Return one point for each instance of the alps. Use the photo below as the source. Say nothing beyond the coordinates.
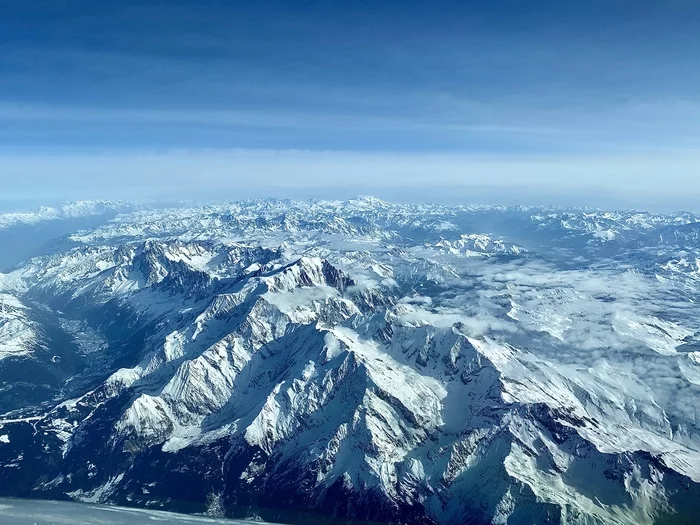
(357, 360)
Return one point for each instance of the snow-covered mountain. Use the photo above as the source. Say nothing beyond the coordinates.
(27, 234)
(362, 360)
(68, 210)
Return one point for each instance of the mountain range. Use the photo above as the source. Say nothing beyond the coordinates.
(358, 361)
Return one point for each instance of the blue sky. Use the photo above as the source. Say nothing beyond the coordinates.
(222, 96)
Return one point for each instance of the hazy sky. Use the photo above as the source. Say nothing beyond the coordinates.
(226, 98)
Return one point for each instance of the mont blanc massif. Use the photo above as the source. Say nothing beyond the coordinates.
(353, 361)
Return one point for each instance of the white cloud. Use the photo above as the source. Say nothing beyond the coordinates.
(234, 173)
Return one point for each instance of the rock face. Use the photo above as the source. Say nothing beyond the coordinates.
(360, 360)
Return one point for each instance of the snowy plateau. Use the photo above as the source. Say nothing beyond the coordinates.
(353, 361)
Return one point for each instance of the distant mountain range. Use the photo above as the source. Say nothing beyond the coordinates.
(354, 360)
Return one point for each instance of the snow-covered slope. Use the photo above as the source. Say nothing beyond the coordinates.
(33, 512)
(17, 334)
(366, 360)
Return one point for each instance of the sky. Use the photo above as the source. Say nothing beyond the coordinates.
(558, 102)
